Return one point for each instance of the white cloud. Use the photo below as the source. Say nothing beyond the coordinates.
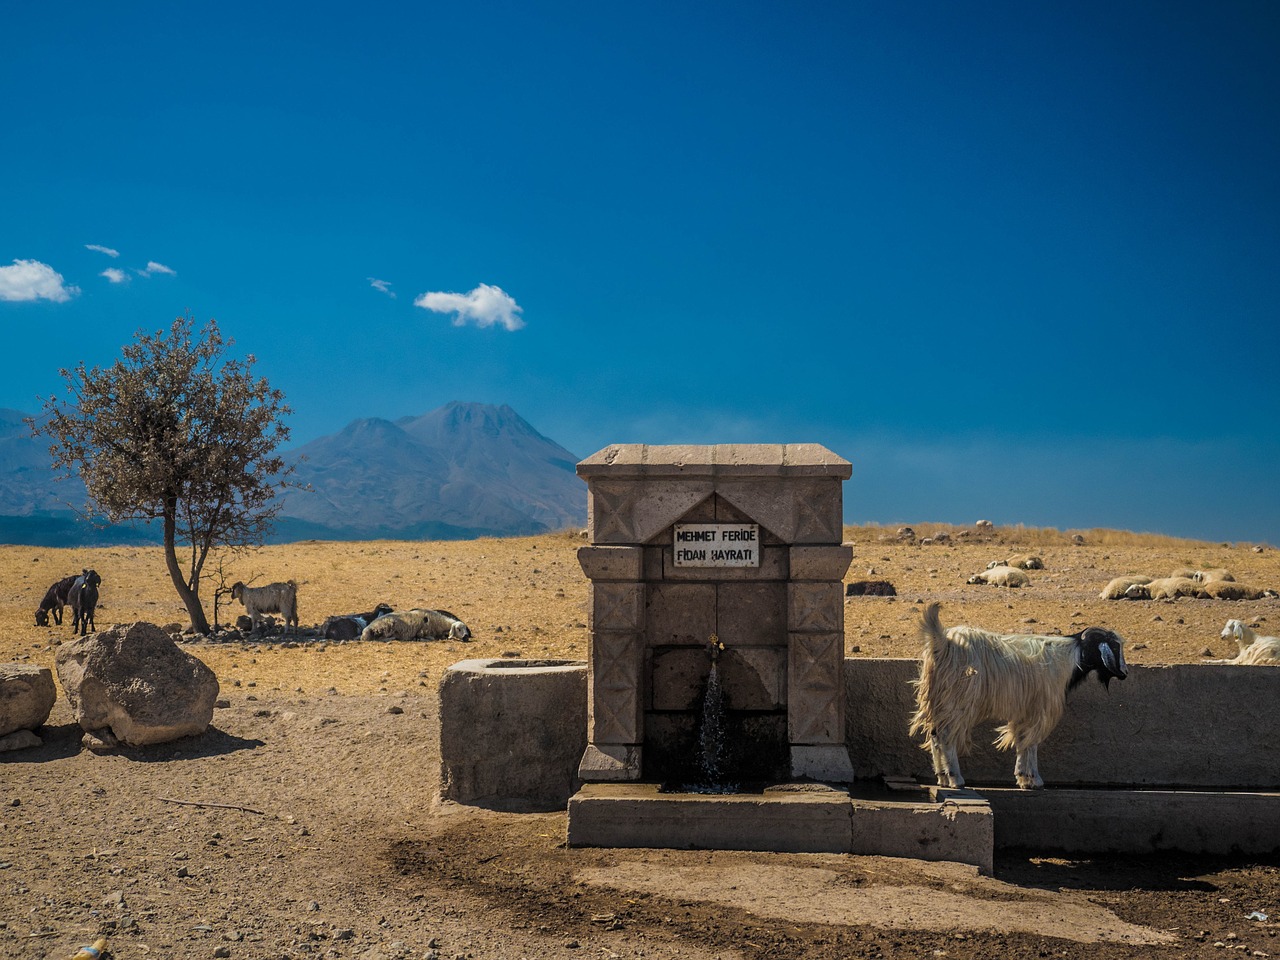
(484, 306)
(383, 285)
(154, 268)
(114, 275)
(101, 249)
(33, 280)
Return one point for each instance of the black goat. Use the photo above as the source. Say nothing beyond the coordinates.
(349, 626)
(55, 598)
(84, 600)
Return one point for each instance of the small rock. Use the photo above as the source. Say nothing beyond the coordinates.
(312, 906)
(344, 934)
(1139, 646)
(221, 704)
(393, 709)
(1206, 652)
(222, 952)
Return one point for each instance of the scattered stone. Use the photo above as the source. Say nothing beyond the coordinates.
(19, 740)
(27, 695)
(344, 934)
(223, 951)
(1139, 646)
(1206, 652)
(222, 703)
(134, 680)
(393, 709)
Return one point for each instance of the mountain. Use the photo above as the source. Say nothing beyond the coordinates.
(465, 470)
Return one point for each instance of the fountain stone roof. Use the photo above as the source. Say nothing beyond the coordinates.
(622, 460)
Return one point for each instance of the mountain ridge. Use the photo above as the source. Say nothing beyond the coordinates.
(461, 471)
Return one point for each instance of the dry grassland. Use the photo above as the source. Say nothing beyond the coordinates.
(527, 597)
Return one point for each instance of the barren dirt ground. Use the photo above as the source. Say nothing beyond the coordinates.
(317, 832)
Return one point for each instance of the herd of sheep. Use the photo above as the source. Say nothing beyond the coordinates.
(80, 592)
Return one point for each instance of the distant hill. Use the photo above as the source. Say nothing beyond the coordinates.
(462, 471)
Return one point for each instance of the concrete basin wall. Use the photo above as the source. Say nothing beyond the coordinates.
(512, 732)
(1185, 725)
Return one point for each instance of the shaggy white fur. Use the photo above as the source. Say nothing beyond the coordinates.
(969, 675)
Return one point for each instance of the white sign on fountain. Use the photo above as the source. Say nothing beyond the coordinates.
(717, 544)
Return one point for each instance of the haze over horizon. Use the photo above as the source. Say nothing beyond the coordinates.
(1015, 263)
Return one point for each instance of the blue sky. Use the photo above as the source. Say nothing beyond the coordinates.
(1015, 261)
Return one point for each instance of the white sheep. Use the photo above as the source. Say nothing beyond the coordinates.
(1231, 590)
(1001, 577)
(1166, 588)
(969, 675)
(281, 598)
(1213, 576)
(1253, 648)
(1115, 590)
(417, 624)
(1023, 561)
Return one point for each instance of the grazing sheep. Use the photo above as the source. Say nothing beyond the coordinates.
(1022, 561)
(1213, 576)
(55, 598)
(1115, 590)
(417, 624)
(349, 626)
(1253, 648)
(84, 601)
(870, 588)
(281, 598)
(985, 524)
(1001, 577)
(1230, 590)
(1168, 588)
(969, 675)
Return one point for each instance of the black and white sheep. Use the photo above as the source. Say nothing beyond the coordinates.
(83, 598)
(1001, 577)
(281, 598)
(1254, 649)
(55, 598)
(969, 675)
(417, 624)
(349, 626)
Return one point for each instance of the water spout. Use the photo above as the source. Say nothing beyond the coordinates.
(713, 738)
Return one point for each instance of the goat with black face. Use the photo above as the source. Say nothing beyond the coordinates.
(969, 675)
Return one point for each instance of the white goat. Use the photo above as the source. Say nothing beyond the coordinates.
(1253, 648)
(1002, 577)
(281, 598)
(969, 675)
(417, 624)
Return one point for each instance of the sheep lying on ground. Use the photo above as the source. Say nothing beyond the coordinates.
(281, 598)
(969, 675)
(55, 598)
(417, 624)
(1115, 590)
(1024, 561)
(1253, 648)
(1213, 576)
(1168, 588)
(1002, 577)
(83, 598)
(1230, 590)
(348, 626)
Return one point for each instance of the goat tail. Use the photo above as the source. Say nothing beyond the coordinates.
(931, 631)
(935, 639)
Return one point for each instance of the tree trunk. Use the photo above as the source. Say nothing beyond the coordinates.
(190, 598)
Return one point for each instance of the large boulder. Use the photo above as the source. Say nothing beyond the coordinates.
(27, 694)
(133, 679)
